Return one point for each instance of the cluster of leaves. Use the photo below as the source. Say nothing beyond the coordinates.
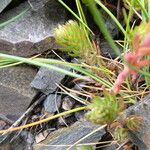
(104, 110)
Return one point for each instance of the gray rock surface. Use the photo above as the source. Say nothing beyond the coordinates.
(52, 103)
(15, 91)
(12, 103)
(141, 138)
(32, 33)
(4, 4)
(37, 4)
(19, 79)
(45, 80)
(71, 135)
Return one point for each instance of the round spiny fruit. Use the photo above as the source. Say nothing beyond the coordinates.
(103, 111)
(72, 38)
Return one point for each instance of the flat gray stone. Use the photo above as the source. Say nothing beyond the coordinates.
(15, 91)
(71, 135)
(141, 138)
(32, 33)
(12, 103)
(4, 4)
(52, 103)
(45, 80)
(37, 4)
(19, 79)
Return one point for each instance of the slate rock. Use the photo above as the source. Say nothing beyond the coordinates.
(19, 79)
(12, 103)
(32, 33)
(37, 4)
(141, 138)
(71, 135)
(15, 91)
(52, 103)
(45, 80)
(4, 4)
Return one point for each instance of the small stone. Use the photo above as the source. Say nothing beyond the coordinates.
(68, 103)
(45, 80)
(52, 103)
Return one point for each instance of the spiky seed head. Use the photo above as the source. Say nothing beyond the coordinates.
(134, 122)
(72, 38)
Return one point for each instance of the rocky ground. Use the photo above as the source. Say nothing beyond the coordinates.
(28, 93)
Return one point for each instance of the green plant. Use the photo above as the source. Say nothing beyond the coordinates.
(121, 134)
(141, 48)
(75, 38)
(103, 110)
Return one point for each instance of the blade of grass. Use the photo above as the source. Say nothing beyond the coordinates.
(94, 76)
(76, 16)
(51, 67)
(43, 120)
(82, 16)
(33, 62)
(10, 63)
(111, 15)
(144, 11)
(91, 4)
